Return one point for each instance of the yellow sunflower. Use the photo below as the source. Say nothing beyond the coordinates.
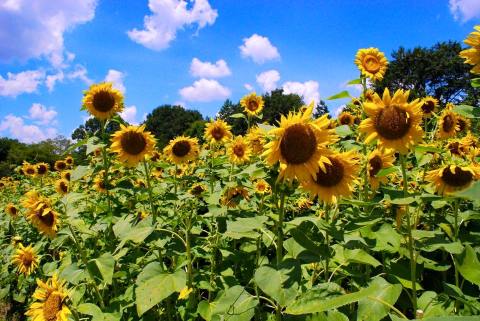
(252, 104)
(233, 196)
(198, 189)
(463, 124)
(456, 148)
(262, 187)
(429, 105)
(11, 210)
(99, 184)
(29, 169)
(60, 165)
(256, 139)
(369, 95)
(300, 144)
(26, 259)
(336, 179)
(372, 63)
(61, 186)
(132, 143)
(69, 160)
(217, 131)
(452, 178)
(66, 175)
(182, 149)
(447, 124)
(472, 55)
(303, 203)
(345, 118)
(42, 169)
(393, 121)
(238, 151)
(40, 213)
(377, 160)
(102, 100)
(50, 299)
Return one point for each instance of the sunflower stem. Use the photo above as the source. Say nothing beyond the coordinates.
(150, 193)
(281, 215)
(327, 239)
(455, 238)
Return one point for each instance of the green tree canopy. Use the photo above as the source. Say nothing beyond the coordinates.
(92, 127)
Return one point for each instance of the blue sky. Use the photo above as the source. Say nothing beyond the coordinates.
(196, 53)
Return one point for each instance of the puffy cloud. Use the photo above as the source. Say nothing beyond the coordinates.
(308, 90)
(116, 78)
(268, 80)
(248, 87)
(23, 82)
(465, 9)
(259, 49)
(130, 114)
(168, 16)
(17, 128)
(205, 90)
(42, 115)
(79, 72)
(207, 69)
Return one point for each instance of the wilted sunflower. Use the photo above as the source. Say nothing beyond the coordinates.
(198, 189)
(372, 63)
(252, 104)
(29, 169)
(103, 101)
(42, 169)
(429, 105)
(69, 160)
(393, 121)
(25, 259)
(262, 187)
(50, 305)
(447, 124)
(377, 160)
(61, 186)
(345, 118)
(11, 210)
(238, 150)
(256, 139)
(182, 149)
(472, 55)
(299, 144)
(233, 196)
(40, 213)
(451, 178)
(217, 131)
(132, 143)
(335, 179)
(60, 165)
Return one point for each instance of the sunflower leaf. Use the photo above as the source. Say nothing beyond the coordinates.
(340, 95)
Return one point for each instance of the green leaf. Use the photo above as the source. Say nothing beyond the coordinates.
(355, 82)
(470, 193)
(343, 130)
(340, 95)
(271, 282)
(90, 309)
(373, 308)
(344, 256)
(153, 286)
(387, 171)
(238, 115)
(467, 111)
(105, 265)
(403, 201)
(475, 82)
(468, 265)
(125, 231)
(79, 172)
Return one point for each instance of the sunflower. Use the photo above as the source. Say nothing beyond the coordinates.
(29, 169)
(238, 151)
(60, 165)
(103, 101)
(377, 160)
(40, 213)
(472, 55)
(184, 293)
(451, 178)
(256, 140)
(463, 124)
(372, 63)
(233, 196)
(26, 259)
(198, 189)
(303, 203)
(252, 104)
(157, 172)
(99, 184)
(42, 169)
(368, 95)
(11, 210)
(217, 131)
(345, 118)
(182, 149)
(262, 187)
(61, 186)
(66, 175)
(447, 124)
(155, 156)
(456, 148)
(336, 179)
(393, 121)
(50, 305)
(132, 143)
(429, 105)
(69, 160)
(299, 144)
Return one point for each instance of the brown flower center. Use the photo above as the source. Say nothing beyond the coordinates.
(298, 144)
(239, 150)
(454, 148)
(51, 307)
(345, 119)
(448, 123)
(181, 148)
(218, 133)
(252, 105)
(13, 210)
(63, 187)
(30, 171)
(458, 178)
(376, 165)
(69, 161)
(67, 176)
(392, 122)
(103, 101)
(371, 63)
(133, 143)
(333, 174)
(41, 169)
(60, 165)
(428, 106)
(462, 124)
(197, 190)
(47, 219)
(27, 259)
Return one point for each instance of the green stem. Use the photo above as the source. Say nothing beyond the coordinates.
(327, 239)
(281, 215)
(455, 238)
(150, 193)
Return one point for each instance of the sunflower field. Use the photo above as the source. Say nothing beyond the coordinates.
(371, 216)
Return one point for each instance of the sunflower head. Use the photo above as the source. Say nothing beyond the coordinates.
(429, 105)
(372, 63)
(233, 196)
(303, 203)
(256, 139)
(463, 124)
(345, 118)
(69, 160)
(238, 150)
(103, 101)
(217, 131)
(132, 144)
(252, 104)
(42, 169)
(447, 124)
(29, 169)
(472, 55)
(61, 186)
(26, 259)
(262, 187)
(198, 189)
(182, 149)
(50, 303)
(66, 175)
(377, 160)
(11, 210)
(99, 184)
(60, 165)
(452, 178)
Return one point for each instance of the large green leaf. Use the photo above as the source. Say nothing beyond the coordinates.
(346, 256)
(468, 265)
(272, 281)
(105, 265)
(467, 111)
(340, 95)
(373, 308)
(79, 172)
(470, 193)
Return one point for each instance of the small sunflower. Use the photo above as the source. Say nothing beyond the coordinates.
(472, 55)
(345, 118)
(377, 160)
(50, 299)
(40, 213)
(369, 95)
(66, 175)
(42, 169)
(198, 189)
(372, 63)
(262, 187)
(393, 121)
(155, 156)
(335, 179)
(252, 104)
(233, 196)
(238, 151)
(456, 148)
(429, 105)
(103, 101)
(184, 293)
(463, 124)
(29, 169)
(303, 203)
(69, 160)
(60, 165)
(99, 184)
(182, 149)
(256, 139)
(132, 143)
(26, 259)
(451, 178)
(61, 186)
(447, 124)
(11, 210)
(217, 131)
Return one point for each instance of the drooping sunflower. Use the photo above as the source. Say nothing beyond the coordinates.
(102, 100)
(11, 210)
(40, 213)
(335, 179)
(262, 187)
(182, 149)
(60, 165)
(217, 131)
(452, 178)
(61, 186)
(252, 104)
(42, 169)
(377, 160)
(393, 121)
(345, 118)
(132, 143)
(472, 55)
(29, 169)
(429, 105)
(233, 196)
(447, 124)
(456, 148)
(300, 145)
(256, 140)
(26, 259)
(50, 303)
(372, 63)
(238, 151)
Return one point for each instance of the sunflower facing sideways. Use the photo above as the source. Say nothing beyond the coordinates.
(103, 101)
(50, 299)
(256, 140)
(377, 160)
(61, 186)
(372, 63)
(217, 131)
(252, 104)
(40, 213)
(182, 149)
(447, 124)
(42, 169)
(345, 118)
(11, 210)
(429, 105)
(472, 55)
(132, 143)
(238, 151)
(25, 259)
(393, 121)
(452, 178)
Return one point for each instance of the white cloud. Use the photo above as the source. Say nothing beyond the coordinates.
(209, 70)
(17, 128)
(205, 90)
(268, 80)
(308, 90)
(337, 111)
(465, 9)
(168, 16)
(116, 78)
(259, 49)
(42, 115)
(248, 87)
(79, 72)
(23, 82)
(129, 114)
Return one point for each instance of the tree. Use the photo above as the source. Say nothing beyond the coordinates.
(320, 109)
(92, 127)
(196, 129)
